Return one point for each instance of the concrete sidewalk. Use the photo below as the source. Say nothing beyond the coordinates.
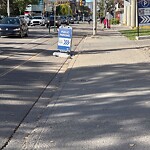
(103, 102)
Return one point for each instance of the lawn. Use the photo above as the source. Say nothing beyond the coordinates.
(131, 34)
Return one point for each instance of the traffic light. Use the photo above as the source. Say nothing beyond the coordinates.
(80, 2)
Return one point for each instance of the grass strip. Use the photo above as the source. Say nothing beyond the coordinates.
(131, 34)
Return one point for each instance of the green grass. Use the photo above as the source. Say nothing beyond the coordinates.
(131, 34)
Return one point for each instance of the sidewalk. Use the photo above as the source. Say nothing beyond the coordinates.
(103, 102)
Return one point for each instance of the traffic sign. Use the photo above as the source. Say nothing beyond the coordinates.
(64, 38)
(144, 12)
(144, 19)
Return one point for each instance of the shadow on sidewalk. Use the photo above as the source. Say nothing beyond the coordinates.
(105, 107)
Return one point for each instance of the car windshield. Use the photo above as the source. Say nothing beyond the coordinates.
(37, 17)
(10, 21)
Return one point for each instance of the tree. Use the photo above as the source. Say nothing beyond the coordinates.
(3, 7)
(17, 7)
(101, 7)
(64, 9)
(105, 6)
(22, 4)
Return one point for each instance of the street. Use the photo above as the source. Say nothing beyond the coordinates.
(97, 100)
(27, 67)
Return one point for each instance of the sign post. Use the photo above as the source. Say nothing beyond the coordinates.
(64, 39)
(143, 13)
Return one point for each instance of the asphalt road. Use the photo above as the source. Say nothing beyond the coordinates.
(99, 100)
(27, 68)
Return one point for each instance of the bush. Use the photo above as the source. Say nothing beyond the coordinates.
(114, 21)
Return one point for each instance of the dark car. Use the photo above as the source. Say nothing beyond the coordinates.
(50, 21)
(13, 26)
(71, 19)
(1, 17)
(64, 20)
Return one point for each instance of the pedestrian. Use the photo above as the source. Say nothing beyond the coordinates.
(102, 19)
(89, 20)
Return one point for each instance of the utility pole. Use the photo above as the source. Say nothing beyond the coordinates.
(55, 5)
(94, 17)
(8, 8)
(133, 13)
(68, 9)
(44, 7)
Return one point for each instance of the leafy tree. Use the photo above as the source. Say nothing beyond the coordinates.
(22, 4)
(16, 6)
(105, 6)
(3, 8)
(86, 11)
(64, 9)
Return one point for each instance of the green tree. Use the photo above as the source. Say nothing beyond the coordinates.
(3, 8)
(105, 6)
(64, 9)
(16, 6)
(22, 4)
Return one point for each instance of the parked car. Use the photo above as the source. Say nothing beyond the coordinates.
(13, 26)
(1, 17)
(37, 20)
(71, 19)
(50, 21)
(64, 20)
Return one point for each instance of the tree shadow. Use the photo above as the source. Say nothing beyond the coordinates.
(23, 79)
(105, 107)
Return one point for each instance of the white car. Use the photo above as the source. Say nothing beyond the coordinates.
(37, 20)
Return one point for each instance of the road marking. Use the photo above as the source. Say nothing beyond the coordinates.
(15, 67)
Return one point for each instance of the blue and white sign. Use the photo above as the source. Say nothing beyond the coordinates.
(144, 12)
(65, 39)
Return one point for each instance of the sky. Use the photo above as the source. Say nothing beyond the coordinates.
(89, 0)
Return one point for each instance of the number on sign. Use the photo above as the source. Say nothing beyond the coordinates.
(66, 42)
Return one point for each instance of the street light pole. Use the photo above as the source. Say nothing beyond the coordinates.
(8, 8)
(68, 9)
(55, 17)
(94, 17)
